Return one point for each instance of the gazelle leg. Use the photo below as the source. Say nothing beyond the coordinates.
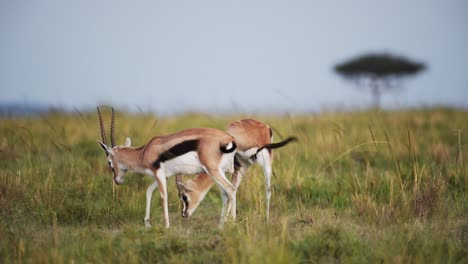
(233, 205)
(231, 191)
(267, 172)
(161, 179)
(236, 181)
(264, 160)
(224, 198)
(149, 195)
(238, 176)
(228, 192)
(229, 205)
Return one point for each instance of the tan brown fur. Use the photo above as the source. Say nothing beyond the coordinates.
(141, 159)
(210, 140)
(248, 133)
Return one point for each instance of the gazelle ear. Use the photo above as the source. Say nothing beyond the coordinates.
(128, 142)
(108, 150)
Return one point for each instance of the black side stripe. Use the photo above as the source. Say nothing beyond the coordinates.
(176, 151)
(225, 150)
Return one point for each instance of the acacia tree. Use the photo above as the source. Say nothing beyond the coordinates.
(378, 73)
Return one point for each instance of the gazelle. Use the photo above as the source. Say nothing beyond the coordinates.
(254, 145)
(190, 151)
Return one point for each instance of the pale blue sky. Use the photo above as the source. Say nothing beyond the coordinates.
(173, 56)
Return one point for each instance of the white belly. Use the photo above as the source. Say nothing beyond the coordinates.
(247, 153)
(189, 163)
(244, 156)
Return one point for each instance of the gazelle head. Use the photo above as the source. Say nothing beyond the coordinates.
(112, 152)
(189, 195)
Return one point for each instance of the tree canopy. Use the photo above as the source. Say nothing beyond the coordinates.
(378, 72)
(379, 66)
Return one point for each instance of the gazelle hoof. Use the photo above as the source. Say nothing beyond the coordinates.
(147, 224)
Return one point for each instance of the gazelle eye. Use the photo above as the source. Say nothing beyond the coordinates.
(184, 198)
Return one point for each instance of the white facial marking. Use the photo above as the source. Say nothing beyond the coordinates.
(190, 212)
(119, 179)
(184, 205)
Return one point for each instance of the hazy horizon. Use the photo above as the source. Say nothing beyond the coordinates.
(263, 56)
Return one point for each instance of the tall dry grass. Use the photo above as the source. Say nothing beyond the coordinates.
(358, 187)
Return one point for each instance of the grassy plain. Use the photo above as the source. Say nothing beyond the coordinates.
(358, 187)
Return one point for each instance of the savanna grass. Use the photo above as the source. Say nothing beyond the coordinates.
(358, 187)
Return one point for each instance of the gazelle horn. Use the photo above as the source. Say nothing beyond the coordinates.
(112, 129)
(178, 180)
(101, 125)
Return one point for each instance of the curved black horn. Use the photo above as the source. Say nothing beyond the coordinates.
(112, 129)
(101, 125)
(178, 180)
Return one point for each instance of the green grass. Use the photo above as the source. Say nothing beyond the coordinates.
(359, 187)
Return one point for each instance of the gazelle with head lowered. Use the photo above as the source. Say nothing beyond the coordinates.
(254, 145)
(190, 151)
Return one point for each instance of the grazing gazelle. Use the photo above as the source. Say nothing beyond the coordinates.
(190, 151)
(254, 145)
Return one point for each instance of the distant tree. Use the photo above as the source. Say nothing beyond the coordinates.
(378, 73)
